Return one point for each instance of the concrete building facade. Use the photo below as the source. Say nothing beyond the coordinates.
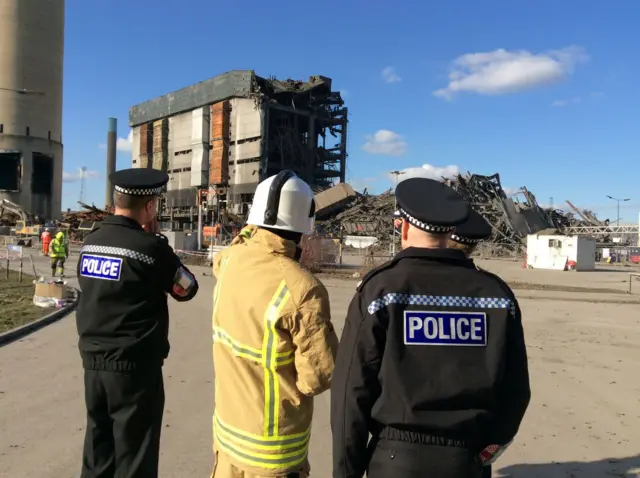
(219, 138)
(31, 70)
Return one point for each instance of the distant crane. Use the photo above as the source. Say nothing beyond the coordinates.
(83, 171)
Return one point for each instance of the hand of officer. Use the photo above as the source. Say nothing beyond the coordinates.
(153, 226)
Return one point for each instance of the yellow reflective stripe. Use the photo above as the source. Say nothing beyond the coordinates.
(285, 361)
(269, 360)
(246, 440)
(262, 460)
(238, 349)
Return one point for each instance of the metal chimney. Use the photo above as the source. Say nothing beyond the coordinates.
(112, 138)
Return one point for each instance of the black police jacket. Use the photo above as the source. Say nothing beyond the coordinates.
(432, 352)
(125, 275)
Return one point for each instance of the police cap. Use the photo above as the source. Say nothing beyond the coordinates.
(139, 181)
(430, 205)
(473, 230)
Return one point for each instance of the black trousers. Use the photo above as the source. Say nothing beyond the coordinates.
(124, 421)
(398, 459)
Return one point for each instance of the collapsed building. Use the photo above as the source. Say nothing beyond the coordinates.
(343, 211)
(219, 138)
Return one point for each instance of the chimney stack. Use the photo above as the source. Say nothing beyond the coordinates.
(112, 138)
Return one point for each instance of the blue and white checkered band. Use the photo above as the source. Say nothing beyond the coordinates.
(139, 192)
(425, 227)
(464, 240)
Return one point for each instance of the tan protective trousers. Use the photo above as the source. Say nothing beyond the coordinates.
(222, 468)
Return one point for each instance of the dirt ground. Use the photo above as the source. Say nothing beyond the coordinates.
(583, 421)
(16, 301)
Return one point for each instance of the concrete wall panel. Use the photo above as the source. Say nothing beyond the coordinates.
(244, 173)
(248, 150)
(199, 164)
(245, 120)
(200, 125)
(180, 132)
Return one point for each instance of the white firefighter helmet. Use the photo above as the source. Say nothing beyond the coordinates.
(283, 202)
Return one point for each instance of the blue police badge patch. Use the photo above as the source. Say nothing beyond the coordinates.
(466, 329)
(101, 267)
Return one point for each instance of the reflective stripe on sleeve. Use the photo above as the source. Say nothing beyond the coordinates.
(269, 360)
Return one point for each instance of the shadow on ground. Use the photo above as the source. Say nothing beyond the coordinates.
(611, 467)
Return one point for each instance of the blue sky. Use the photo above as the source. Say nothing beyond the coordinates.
(545, 95)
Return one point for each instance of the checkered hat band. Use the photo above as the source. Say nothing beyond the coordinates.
(139, 192)
(464, 240)
(425, 227)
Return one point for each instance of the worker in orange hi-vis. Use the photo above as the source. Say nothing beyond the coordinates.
(45, 239)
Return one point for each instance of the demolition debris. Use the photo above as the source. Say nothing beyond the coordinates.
(84, 219)
(512, 217)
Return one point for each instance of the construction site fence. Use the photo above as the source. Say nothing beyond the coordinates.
(492, 250)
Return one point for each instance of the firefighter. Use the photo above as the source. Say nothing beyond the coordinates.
(58, 252)
(419, 368)
(125, 272)
(46, 240)
(468, 234)
(274, 344)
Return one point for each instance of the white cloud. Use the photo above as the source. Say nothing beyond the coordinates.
(427, 171)
(385, 142)
(389, 75)
(124, 145)
(570, 101)
(500, 71)
(77, 175)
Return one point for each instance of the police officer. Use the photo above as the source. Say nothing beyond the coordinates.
(468, 234)
(466, 238)
(432, 361)
(126, 269)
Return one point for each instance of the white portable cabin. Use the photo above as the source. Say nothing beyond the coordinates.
(561, 253)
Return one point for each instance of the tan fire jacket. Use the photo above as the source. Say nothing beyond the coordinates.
(274, 350)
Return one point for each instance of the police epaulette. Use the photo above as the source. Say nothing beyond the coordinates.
(162, 236)
(373, 272)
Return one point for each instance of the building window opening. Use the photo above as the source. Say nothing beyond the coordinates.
(49, 135)
(10, 171)
(42, 174)
(28, 131)
(1, 128)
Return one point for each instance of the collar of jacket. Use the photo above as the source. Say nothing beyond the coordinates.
(437, 255)
(123, 221)
(273, 243)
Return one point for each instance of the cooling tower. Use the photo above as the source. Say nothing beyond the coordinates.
(31, 63)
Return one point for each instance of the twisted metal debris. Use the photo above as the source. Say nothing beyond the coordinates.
(512, 217)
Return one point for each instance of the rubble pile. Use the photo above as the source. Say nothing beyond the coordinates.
(512, 216)
(365, 215)
(74, 219)
(9, 219)
(78, 223)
